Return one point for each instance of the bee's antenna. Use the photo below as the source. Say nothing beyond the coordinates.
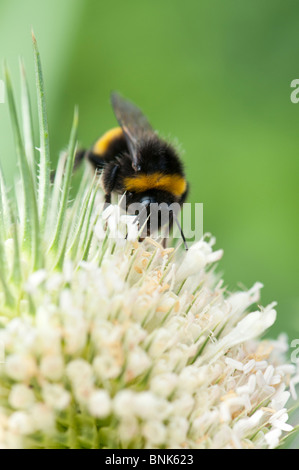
(180, 228)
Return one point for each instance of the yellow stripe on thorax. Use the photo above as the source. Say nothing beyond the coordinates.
(174, 184)
(101, 145)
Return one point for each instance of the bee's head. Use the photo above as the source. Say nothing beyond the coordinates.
(151, 209)
(146, 198)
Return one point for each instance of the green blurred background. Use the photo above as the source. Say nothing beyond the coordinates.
(216, 76)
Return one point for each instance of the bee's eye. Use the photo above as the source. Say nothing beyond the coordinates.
(136, 167)
(129, 194)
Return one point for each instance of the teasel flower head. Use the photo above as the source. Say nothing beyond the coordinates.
(114, 343)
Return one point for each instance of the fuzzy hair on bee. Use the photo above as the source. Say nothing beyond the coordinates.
(133, 159)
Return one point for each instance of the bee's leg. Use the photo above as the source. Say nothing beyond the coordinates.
(172, 218)
(97, 161)
(107, 204)
(107, 199)
(181, 231)
(170, 225)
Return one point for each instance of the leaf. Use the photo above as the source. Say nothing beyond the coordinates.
(66, 184)
(30, 239)
(85, 200)
(27, 123)
(44, 166)
(4, 208)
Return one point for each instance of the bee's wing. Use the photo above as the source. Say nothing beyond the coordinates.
(133, 122)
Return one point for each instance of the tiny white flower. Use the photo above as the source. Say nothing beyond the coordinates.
(247, 368)
(132, 226)
(162, 339)
(177, 430)
(249, 387)
(261, 365)
(43, 417)
(138, 362)
(35, 279)
(52, 367)
(106, 367)
(280, 398)
(282, 425)
(21, 397)
(183, 405)
(79, 371)
(75, 337)
(232, 405)
(56, 396)
(20, 423)
(148, 406)
(99, 404)
(245, 425)
(20, 367)
(273, 437)
(192, 377)
(234, 364)
(123, 403)
(279, 421)
(254, 324)
(83, 391)
(223, 438)
(128, 429)
(164, 384)
(286, 369)
(198, 256)
(154, 432)
(240, 301)
(268, 374)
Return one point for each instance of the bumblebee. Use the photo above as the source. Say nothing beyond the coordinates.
(132, 159)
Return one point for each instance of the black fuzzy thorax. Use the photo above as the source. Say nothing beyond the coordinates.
(156, 155)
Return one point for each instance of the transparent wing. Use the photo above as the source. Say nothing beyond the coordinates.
(133, 122)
